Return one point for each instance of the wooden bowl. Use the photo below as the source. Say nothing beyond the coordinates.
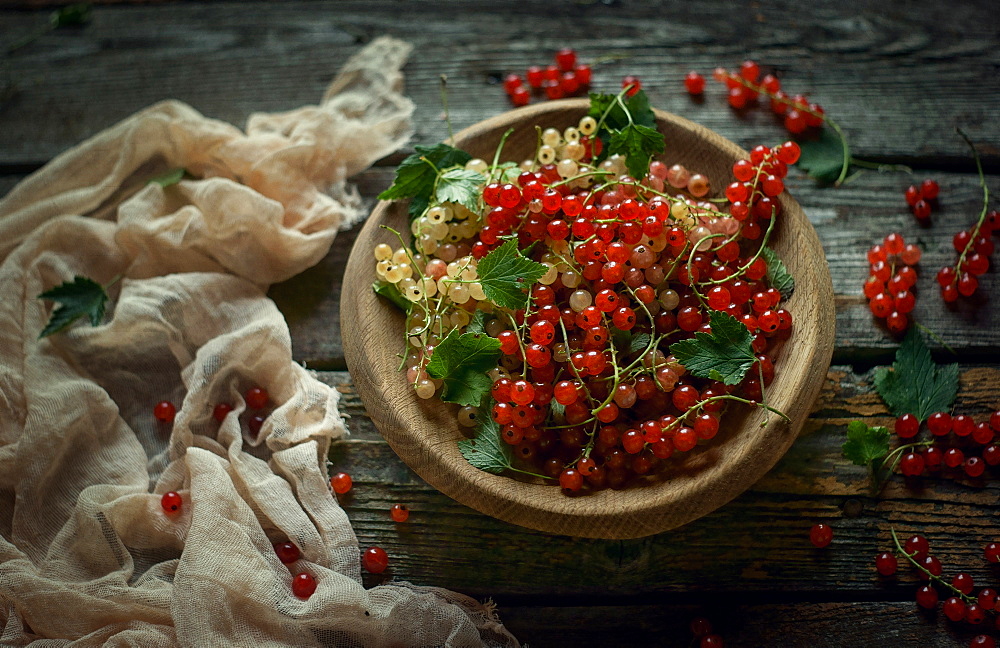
(423, 433)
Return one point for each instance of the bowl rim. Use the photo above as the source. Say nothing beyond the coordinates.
(627, 513)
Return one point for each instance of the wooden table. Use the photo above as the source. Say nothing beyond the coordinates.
(898, 77)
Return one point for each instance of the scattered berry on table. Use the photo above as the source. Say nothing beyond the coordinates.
(164, 411)
(399, 513)
(254, 423)
(303, 585)
(694, 83)
(375, 560)
(171, 502)
(821, 535)
(886, 564)
(341, 483)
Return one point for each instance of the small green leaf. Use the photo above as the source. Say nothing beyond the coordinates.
(505, 273)
(822, 158)
(461, 186)
(777, 273)
(639, 343)
(864, 444)
(915, 384)
(461, 360)
(638, 144)
(72, 15)
(477, 324)
(417, 175)
(82, 297)
(391, 292)
(725, 354)
(171, 177)
(487, 451)
(508, 172)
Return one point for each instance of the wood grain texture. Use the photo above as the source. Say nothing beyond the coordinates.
(899, 80)
(758, 543)
(704, 479)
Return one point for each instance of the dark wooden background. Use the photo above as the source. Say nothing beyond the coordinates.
(899, 78)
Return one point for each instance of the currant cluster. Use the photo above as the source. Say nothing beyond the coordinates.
(701, 628)
(746, 86)
(891, 278)
(974, 247)
(981, 609)
(921, 198)
(643, 260)
(565, 78)
(958, 443)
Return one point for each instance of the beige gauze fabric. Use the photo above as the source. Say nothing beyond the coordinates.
(88, 555)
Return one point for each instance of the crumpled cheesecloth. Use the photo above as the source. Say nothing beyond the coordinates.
(88, 556)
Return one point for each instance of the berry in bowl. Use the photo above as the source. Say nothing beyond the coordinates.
(589, 317)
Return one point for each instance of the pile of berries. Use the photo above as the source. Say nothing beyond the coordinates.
(891, 278)
(921, 198)
(974, 247)
(645, 260)
(958, 443)
(980, 610)
(565, 78)
(746, 86)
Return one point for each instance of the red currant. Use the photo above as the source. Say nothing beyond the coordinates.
(694, 83)
(341, 483)
(399, 513)
(221, 411)
(256, 398)
(886, 564)
(287, 552)
(375, 560)
(164, 411)
(303, 585)
(820, 535)
(171, 502)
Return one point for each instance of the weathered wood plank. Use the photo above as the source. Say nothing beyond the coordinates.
(899, 81)
(447, 544)
(741, 624)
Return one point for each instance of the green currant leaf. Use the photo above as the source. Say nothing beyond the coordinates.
(171, 177)
(461, 360)
(777, 273)
(915, 384)
(639, 343)
(638, 144)
(82, 297)
(865, 445)
(478, 323)
(505, 273)
(618, 118)
(822, 158)
(391, 292)
(461, 186)
(508, 172)
(417, 175)
(487, 451)
(725, 354)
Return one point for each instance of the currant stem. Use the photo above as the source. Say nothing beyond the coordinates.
(444, 104)
(974, 232)
(899, 549)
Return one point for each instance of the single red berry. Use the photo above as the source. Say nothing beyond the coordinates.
(974, 467)
(916, 547)
(921, 210)
(974, 614)
(171, 502)
(927, 597)
(375, 560)
(886, 563)
(303, 585)
(254, 424)
(220, 411)
(992, 552)
(583, 73)
(633, 84)
(820, 535)
(750, 71)
(512, 82)
(287, 552)
(963, 583)
(929, 189)
(987, 598)
(939, 423)
(571, 480)
(982, 641)
(907, 426)
(694, 83)
(912, 195)
(520, 96)
(341, 483)
(932, 565)
(566, 59)
(256, 398)
(912, 464)
(954, 609)
(399, 513)
(711, 641)
(164, 411)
